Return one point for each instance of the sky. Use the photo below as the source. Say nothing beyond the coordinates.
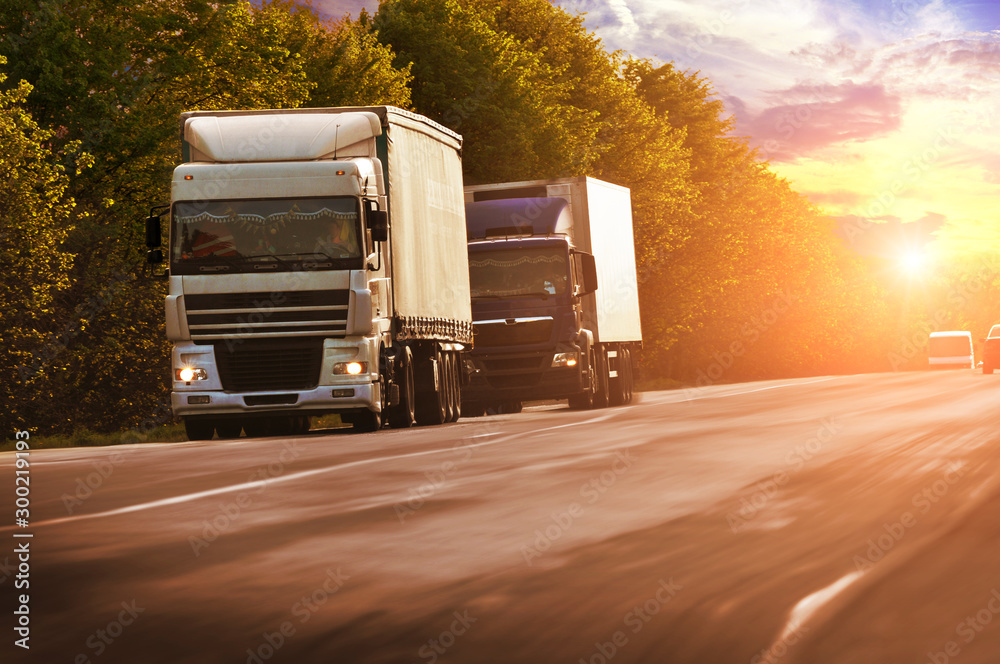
(885, 113)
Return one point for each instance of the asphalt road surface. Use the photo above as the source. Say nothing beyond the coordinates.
(836, 519)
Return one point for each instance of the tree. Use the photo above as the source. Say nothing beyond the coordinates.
(35, 210)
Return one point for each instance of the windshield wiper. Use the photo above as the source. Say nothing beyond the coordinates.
(274, 257)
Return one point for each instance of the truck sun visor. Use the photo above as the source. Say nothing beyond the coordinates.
(517, 216)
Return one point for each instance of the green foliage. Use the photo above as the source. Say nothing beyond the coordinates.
(35, 220)
(502, 96)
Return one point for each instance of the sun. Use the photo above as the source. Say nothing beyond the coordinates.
(914, 263)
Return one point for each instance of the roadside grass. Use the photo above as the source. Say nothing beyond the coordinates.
(170, 433)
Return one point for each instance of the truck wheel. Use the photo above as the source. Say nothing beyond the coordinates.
(199, 429)
(229, 428)
(401, 416)
(585, 400)
(601, 387)
(431, 402)
(628, 382)
(617, 389)
(366, 421)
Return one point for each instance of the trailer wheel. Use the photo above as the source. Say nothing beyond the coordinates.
(199, 429)
(431, 408)
(601, 388)
(229, 428)
(629, 379)
(401, 416)
(617, 388)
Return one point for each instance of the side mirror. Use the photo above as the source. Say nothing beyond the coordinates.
(378, 224)
(153, 232)
(154, 256)
(589, 266)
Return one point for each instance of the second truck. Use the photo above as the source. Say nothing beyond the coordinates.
(554, 291)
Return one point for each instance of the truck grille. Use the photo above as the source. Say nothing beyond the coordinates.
(321, 313)
(493, 334)
(253, 366)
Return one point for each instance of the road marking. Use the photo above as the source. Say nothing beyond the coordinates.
(646, 401)
(810, 604)
(186, 498)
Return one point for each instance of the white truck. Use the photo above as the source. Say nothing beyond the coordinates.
(317, 264)
(555, 298)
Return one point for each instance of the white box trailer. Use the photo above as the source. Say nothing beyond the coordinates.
(317, 265)
(576, 341)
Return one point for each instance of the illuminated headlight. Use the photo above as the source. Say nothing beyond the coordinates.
(565, 359)
(187, 374)
(350, 368)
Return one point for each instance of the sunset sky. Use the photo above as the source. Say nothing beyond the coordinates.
(882, 110)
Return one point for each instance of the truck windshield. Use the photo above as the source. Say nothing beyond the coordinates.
(514, 272)
(265, 234)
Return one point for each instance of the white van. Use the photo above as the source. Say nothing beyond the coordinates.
(951, 350)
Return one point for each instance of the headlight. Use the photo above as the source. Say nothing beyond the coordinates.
(565, 359)
(350, 368)
(187, 374)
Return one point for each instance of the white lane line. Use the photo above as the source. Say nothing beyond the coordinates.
(186, 498)
(810, 604)
(731, 394)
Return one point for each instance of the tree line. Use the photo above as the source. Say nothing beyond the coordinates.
(740, 276)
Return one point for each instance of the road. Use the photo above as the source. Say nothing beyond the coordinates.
(831, 519)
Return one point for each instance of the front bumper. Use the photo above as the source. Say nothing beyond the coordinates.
(306, 402)
(521, 377)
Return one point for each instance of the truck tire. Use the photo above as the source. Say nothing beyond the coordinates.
(199, 429)
(629, 377)
(229, 428)
(366, 421)
(401, 416)
(601, 387)
(430, 404)
(585, 399)
(617, 388)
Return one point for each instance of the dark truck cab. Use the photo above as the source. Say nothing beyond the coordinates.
(526, 303)
(554, 294)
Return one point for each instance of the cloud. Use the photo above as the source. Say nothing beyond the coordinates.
(808, 118)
